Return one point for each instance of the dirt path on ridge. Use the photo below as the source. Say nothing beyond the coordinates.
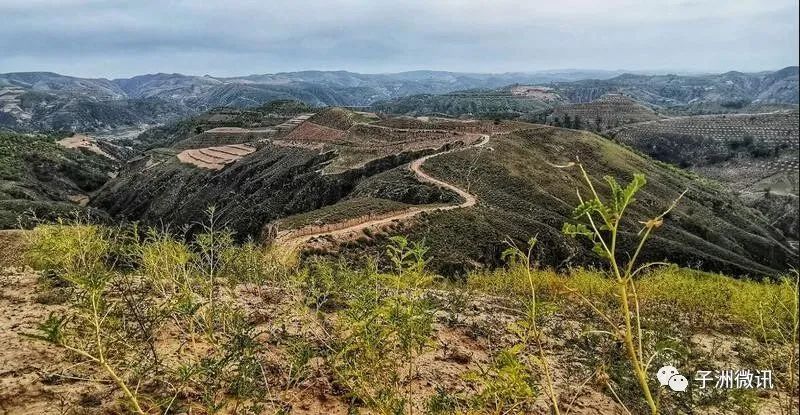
(416, 167)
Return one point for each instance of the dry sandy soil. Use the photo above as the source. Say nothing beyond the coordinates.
(37, 378)
(470, 328)
(83, 141)
(215, 158)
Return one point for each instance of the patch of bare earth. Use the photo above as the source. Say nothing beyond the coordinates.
(35, 377)
(43, 379)
(309, 133)
(215, 158)
(85, 142)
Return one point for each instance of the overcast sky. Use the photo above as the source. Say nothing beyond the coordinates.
(235, 37)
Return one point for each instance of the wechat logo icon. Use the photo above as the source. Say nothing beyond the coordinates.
(669, 376)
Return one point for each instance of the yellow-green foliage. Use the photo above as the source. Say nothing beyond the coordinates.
(164, 260)
(506, 386)
(548, 283)
(387, 323)
(69, 249)
(124, 289)
(250, 263)
(672, 291)
(376, 325)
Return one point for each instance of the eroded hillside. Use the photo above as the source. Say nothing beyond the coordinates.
(338, 160)
(755, 155)
(42, 177)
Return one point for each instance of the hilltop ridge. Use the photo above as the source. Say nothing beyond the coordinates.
(49, 101)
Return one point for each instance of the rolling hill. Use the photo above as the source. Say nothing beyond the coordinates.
(608, 111)
(37, 175)
(668, 94)
(755, 155)
(340, 165)
(39, 101)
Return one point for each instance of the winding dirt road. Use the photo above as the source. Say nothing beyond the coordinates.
(416, 166)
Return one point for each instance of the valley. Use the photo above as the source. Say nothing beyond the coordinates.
(278, 246)
(283, 182)
(371, 207)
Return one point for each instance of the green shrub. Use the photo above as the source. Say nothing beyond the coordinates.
(506, 386)
(386, 324)
(134, 298)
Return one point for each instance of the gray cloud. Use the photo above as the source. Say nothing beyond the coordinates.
(234, 37)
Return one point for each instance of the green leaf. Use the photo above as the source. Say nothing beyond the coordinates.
(576, 230)
(50, 330)
(509, 254)
(599, 250)
(617, 195)
(634, 186)
(586, 208)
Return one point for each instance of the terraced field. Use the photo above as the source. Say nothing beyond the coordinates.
(293, 122)
(609, 111)
(235, 135)
(309, 134)
(755, 155)
(83, 141)
(215, 158)
(776, 129)
(359, 139)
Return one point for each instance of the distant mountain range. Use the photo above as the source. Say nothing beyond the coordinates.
(668, 94)
(36, 101)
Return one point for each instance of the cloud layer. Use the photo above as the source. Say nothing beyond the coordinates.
(235, 37)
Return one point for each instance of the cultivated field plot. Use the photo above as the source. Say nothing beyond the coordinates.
(739, 149)
(436, 123)
(358, 139)
(539, 92)
(309, 134)
(782, 165)
(225, 135)
(215, 158)
(293, 122)
(776, 129)
(609, 111)
(83, 141)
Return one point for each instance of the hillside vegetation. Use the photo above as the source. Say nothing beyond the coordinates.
(606, 112)
(519, 189)
(521, 192)
(756, 155)
(500, 103)
(668, 94)
(40, 176)
(133, 320)
(260, 117)
(34, 101)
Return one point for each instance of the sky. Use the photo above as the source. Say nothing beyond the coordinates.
(100, 38)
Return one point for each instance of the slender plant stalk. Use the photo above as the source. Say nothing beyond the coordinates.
(610, 216)
(526, 260)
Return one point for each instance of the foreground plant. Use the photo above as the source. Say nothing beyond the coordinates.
(136, 304)
(506, 385)
(530, 329)
(78, 255)
(386, 325)
(601, 226)
(778, 329)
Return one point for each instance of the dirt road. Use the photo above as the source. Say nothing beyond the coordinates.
(416, 166)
